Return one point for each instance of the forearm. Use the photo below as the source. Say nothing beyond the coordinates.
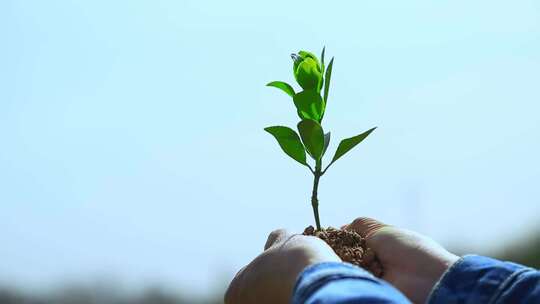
(342, 283)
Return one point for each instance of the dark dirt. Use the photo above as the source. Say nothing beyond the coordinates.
(350, 247)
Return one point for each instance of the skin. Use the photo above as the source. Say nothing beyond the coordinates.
(412, 263)
(271, 276)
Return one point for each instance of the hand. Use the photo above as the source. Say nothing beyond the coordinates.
(271, 276)
(412, 262)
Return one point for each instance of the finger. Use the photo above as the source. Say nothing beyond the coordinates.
(276, 236)
(365, 226)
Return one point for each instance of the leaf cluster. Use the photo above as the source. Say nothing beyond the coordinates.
(310, 106)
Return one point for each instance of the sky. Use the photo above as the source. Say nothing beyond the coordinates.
(132, 144)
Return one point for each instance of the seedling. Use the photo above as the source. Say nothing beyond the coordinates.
(310, 103)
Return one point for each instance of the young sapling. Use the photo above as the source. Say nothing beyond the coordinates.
(310, 102)
(310, 106)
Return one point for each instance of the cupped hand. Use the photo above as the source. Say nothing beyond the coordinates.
(413, 263)
(271, 276)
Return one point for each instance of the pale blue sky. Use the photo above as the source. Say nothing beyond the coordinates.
(132, 139)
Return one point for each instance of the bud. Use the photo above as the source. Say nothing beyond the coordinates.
(307, 70)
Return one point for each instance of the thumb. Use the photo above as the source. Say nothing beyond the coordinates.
(276, 236)
(365, 226)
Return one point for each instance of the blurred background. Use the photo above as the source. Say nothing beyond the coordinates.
(134, 167)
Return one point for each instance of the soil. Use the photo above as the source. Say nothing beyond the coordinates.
(350, 247)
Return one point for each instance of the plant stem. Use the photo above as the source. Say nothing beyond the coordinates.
(314, 200)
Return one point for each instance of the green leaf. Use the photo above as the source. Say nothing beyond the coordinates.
(326, 142)
(327, 80)
(322, 59)
(309, 104)
(347, 144)
(289, 142)
(285, 87)
(312, 136)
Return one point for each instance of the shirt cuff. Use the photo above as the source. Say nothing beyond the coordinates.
(473, 279)
(338, 282)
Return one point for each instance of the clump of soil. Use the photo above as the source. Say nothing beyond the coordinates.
(350, 247)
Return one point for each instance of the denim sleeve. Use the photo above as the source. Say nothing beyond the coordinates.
(333, 283)
(478, 279)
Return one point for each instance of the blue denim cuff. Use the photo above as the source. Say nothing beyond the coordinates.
(474, 279)
(317, 275)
